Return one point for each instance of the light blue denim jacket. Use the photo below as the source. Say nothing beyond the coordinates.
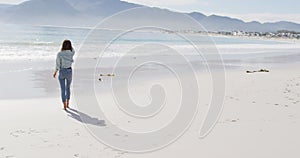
(64, 59)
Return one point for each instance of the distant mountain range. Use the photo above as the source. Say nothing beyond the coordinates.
(89, 12)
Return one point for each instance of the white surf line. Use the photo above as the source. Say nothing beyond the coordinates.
(14, 71)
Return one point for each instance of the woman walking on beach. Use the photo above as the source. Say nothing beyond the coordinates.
(64, 62)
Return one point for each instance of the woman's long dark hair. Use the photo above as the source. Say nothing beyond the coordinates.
(67, 45)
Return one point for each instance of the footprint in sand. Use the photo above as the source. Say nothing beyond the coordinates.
(233, 98)
(236, 120)
(296, 102)
(18, 133)
(292, 90)
(232, 120)
(8, 156)
(119, 153)
(30, 131)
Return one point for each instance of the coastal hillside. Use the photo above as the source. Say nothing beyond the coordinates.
(90, 12)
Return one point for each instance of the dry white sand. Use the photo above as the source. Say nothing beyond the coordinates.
(261, 118)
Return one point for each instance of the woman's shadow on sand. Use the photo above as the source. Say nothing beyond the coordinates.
(84, 118)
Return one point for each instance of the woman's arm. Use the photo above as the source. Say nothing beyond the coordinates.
(58, 62)
(54, 74)
(58, 65)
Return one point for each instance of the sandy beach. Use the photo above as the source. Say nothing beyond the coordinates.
(145, 79)
(260, 118)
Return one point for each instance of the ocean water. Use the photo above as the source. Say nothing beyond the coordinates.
(19, 42)
(27, 54)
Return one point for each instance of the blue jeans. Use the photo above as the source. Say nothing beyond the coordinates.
(65, 80)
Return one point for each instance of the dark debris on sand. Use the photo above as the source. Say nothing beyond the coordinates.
(261, 70)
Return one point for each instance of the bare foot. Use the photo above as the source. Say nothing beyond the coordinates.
(68, 102)
(65, 105)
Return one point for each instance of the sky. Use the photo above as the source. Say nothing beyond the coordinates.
(247, 10)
